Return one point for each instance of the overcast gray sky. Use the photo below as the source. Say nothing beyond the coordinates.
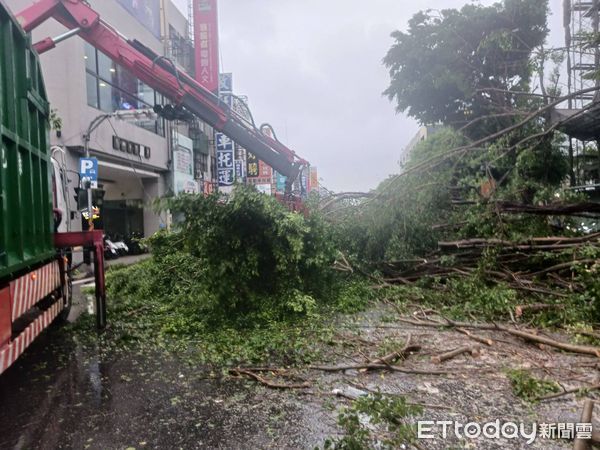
(312, 68)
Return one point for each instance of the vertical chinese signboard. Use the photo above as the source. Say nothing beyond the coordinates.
(225, 160)
(314, 179)
(206, 42)
(225, 146)
(251, 165)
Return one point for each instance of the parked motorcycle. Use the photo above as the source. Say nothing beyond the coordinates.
(135, 244)
(110, 249)
(122, 248)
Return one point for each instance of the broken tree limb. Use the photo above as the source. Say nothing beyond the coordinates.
(385, 362)
(538, 290)
(586, 417)
(588, 333)
(473, 351)
(563, 266)
(383, 367)
(583, 349)
(479, 339)
(542, 243)
(401, 354)
(343, 265)
(548, 210)
(264, 381)
(578, 390)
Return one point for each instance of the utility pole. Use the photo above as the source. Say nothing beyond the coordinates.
(86, 147)
(94, 124)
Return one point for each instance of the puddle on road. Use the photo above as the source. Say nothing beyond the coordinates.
(60, 395)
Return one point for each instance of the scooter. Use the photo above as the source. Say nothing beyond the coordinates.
(110, 249)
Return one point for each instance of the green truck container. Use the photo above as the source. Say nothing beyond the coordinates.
(26, 224)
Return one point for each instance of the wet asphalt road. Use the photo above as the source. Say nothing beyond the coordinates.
(63, 395)
(60, 395)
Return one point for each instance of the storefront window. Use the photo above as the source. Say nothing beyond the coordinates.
(111, 88)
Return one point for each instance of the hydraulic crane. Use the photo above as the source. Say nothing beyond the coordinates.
(161, 74)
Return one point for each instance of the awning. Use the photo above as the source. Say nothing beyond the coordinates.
(584, 126)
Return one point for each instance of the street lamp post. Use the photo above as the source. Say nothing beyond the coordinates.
(86, 147)
(94, 124)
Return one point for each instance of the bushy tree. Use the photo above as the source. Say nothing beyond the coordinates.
(400, 221)
(453, 66)
(257, 258)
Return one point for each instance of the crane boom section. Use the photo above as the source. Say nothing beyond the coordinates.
(150, 68)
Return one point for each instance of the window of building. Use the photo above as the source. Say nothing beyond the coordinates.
(181, 49)
(200, 165)
(111, 88)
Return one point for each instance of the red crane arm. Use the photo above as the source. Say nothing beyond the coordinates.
(177, 86)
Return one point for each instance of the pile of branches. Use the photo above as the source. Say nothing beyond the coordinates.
(543, 265)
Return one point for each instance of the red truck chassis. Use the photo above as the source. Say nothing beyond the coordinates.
(31, 302)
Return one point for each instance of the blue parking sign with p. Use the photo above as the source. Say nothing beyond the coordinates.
(88, 168)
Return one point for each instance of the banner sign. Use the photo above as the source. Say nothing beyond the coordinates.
(225, 146)
(206, 43)
(226, 83)
(147, 12)
(265, 170)
(252, 165)
(314, 179)
(225, 160)
(239, 169)
(280, 182)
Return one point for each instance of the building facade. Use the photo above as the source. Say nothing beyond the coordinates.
(423, 133)
(143, 157)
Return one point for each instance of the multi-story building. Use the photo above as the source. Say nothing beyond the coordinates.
(423, 133)
(139, 159)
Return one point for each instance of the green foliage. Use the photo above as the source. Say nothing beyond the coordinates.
(591, 280)
(244, 280)
(528, 387)
(387, 414)
(398, 222)
(442, 64)
(161, 302)
(254, 259)
(411, 212)
(353, 295)
(474, 296)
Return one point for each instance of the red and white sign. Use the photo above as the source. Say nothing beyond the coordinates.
(313, 179)
(206, 42)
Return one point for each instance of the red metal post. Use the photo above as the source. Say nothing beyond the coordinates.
(100, 286)
(95, 241)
